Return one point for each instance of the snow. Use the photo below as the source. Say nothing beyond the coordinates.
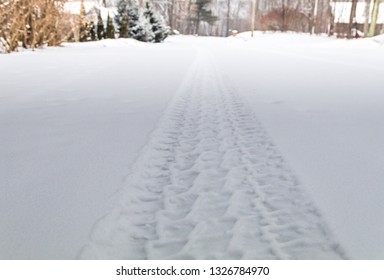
(264, 147)
(324, 113)
(72, 120)
(379, 39)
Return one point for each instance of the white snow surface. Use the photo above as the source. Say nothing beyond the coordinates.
(222, 148)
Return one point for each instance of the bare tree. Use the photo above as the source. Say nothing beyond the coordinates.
(253, 16)
(352, 19)
(228, 17)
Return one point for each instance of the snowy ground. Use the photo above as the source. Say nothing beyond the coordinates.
(195, 148)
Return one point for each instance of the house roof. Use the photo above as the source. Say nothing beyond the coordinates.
(91, 9)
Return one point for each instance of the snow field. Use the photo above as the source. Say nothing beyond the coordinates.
(209, 182)
(72, 120)
(321, 102)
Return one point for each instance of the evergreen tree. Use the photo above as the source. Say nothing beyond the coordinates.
(157, 25)
(123, 30)
(121, 18)
(100, 27)
(110, 32)
(135, 23)
(91, 31)
(147, 34)
(83, 24)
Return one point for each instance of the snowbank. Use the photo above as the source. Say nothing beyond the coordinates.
(379, 39)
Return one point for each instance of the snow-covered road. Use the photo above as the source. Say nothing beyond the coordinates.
(210, 184)
(195, 148)
(72, 121)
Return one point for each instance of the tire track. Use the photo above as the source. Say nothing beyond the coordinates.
(210, 184)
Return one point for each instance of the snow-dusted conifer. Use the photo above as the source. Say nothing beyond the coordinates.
(121, 18)
(100, 27)
(158, 29)
(83, 24)
(123, 30)
(135, 26)
(110, 32)
(146, 27)
(91, 31)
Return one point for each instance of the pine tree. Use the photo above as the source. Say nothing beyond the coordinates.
(100, 27)
(147, 34)
(157, 25)
(121, 18)
(135, 27)
(123, 31)
(110, 32)
(83, 24)
(91, 31)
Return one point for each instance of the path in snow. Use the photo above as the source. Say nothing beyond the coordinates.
(210, 184)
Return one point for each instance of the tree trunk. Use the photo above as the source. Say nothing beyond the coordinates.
(189, 25)
(228, 17)
(367, 10)
(352, 19)
(283, 16)
(314, 16)
(375, 14)
(197, 24)
(253, 16)
(331, 24)
(171, 11)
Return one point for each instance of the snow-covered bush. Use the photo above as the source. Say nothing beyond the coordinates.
(100, 27)
(156, 24)
(110, 30)
(135, 26)
(144, 25)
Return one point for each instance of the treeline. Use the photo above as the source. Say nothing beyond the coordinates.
(220, 17)
(132, 21)
(37, 23)
(143, 24)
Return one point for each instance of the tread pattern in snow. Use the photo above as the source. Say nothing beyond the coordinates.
(210, 184)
